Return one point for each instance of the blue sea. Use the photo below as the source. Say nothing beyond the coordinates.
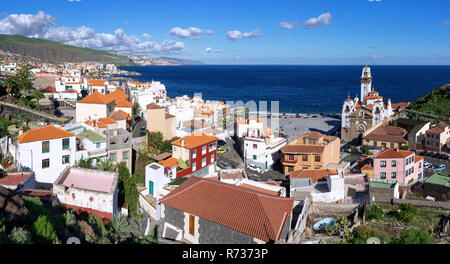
(299, 89)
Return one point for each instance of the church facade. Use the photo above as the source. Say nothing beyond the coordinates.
(359, 115)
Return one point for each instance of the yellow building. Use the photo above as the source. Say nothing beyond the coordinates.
(310, 151)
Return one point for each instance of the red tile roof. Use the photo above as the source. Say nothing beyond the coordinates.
(96, 98)
(195, 140)
(393, 154)
(247, 211)
(153, 106)
(388, 134)
(169, 163)
(44, 133)
(14, 178)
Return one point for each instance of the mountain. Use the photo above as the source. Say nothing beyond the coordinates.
(184, 61)
(54, 52)
(435, 103)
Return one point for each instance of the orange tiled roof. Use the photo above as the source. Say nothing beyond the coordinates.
(120, 115)
(108, 121)
(315, 175)
(95, 82)
(247, 211)
(367, 167)
(96, 98)
(417, 159)
(124, 104)
(117, 95)
(153, 106)
(393, 154)
(195, 140)
(169, 163)
(44, 133)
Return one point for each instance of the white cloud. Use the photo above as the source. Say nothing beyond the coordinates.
(42, 25)
(146, 36)
(191, 33)
(208, 50)
(322, 20)
(374, 0)
(235, 35)
(288, 25)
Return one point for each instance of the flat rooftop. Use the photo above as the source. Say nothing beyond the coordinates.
(385, 185)
(439, 178)
(91, 180)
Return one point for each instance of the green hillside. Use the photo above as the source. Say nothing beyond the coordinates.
(435, 103)
(54, 52)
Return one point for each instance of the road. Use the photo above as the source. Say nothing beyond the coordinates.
(437, 162)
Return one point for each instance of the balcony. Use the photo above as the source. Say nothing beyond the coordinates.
(288, 161)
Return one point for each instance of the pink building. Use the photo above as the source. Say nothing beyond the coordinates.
(398, 165)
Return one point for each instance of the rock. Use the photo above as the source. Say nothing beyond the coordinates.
(84, 229)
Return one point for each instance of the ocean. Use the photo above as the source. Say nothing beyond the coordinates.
(299, 89)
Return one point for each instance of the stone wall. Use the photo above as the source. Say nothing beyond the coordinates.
(212, 233)
(14, 110)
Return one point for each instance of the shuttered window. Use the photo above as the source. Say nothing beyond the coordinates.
(191, 225)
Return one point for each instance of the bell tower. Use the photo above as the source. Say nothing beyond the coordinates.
(366, 83)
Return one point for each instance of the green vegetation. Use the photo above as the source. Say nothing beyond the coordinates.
(157, 144)
(182, 164)
(2, 229)
(85, 163)
(106, 165)
(43, 231)
(415, 236)
(20, 236)
(341, 227)
(117, 227)
(69, 218)
(54, 52)
(128, 192)
(405, 213)
(436, 103)
(374, 212)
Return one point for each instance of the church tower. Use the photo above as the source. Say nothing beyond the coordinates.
(366, 83)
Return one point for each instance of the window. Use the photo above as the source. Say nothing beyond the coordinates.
(203, 150)
(383, 164)
(317, 158)
(394, 175)
(125, 155)
(394, 163)
(420, 165)
(212, 158)
(420, 176)
(194, 166)
(255, 146)
(192, 225)
(254, 157)
(305, 157)
(203, 162)
(66, 159)
(383, 175)
(97, 145)
(290, 169)
(194, 154)
(45, 146)
(45, 163)
(66, 143)
(112, 157)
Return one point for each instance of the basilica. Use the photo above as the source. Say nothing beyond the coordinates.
(361, 114)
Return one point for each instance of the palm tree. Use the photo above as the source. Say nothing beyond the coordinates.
(106, 165)
(137, 109)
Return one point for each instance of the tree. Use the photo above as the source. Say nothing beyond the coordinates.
(106, 165)
(12, 88)
(20, 236)
(85, 163)
(43, 231)
(24, 77)
(365, 149)
(128, 190)
(137, 109)
(69, 218)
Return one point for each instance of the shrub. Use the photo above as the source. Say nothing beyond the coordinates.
(178, 181)
(97, 224)
(69, 218)
(362, 233)
(416, 236)
(365, 149)
(20, 236)
(374, 212)
(118, 226)
(406, 213)
(341, 227)
(43, 231)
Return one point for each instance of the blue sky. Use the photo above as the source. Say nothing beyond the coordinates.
(245, 32)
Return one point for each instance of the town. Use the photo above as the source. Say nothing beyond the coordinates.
(89, 152)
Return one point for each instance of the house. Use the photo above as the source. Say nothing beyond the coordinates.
(119, 146)
(398, 165)
(416, 136)
(259, 146)
(90, 145)
(437, 137)
(383, 190)
(97, 86)
(47, 151)
(310, 151)
(437, 186)
(199, 151)
(93, 191)
(13, 180)
(94, 106)
(157, 177)
(206, 211)
(123, 119)
(159, 121)
(121, 101)
(385, 136)
(326, 186)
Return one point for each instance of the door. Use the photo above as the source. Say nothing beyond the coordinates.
(150, 188)
(191, 225)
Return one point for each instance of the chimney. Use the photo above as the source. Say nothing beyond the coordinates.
(182, 142)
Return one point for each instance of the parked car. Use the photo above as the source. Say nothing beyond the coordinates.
(221, 150)
(254, 168)
(223, 165)
(441, 167)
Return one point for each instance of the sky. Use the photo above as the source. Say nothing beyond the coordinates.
(326, 32)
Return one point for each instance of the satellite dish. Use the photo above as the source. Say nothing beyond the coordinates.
(374, 240)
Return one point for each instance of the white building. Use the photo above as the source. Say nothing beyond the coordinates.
(93, 191)
(47, 151)
(259, 146)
